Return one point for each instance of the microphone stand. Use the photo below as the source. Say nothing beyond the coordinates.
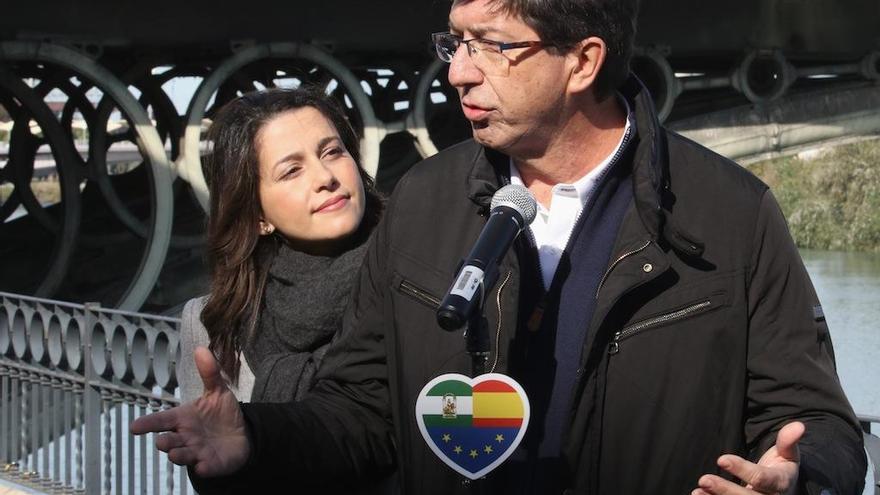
(476, 334)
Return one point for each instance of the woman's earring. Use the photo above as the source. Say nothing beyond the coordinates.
(266, 228)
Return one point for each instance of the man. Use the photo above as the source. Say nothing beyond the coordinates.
(656, 313)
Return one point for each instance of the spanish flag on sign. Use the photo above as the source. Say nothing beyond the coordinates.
(472, 427)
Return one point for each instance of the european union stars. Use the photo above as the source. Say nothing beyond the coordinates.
(446, 438)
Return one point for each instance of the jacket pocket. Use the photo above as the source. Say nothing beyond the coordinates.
(419, 294)
(689, 310)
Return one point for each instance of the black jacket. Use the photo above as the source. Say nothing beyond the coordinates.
(704, 341)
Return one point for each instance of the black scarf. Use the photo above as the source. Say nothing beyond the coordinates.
(302, 310)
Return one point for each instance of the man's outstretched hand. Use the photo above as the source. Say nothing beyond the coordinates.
(776, 472)
(208, 433)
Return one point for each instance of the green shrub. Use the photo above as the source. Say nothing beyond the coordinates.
(831, 200)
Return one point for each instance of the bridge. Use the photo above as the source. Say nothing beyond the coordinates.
(86, 94)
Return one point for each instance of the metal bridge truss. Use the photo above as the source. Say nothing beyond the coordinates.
(381, 102)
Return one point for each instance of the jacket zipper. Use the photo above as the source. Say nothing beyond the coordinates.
(618, 260)
(627, 332)
(418, 294)
(498, 329)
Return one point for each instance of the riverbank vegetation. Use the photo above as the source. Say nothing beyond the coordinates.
(831, 197)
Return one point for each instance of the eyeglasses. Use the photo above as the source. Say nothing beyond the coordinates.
(487, 55)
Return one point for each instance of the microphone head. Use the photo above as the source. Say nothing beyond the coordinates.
(518, 198)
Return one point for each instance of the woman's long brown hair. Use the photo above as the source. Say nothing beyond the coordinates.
(238, 257)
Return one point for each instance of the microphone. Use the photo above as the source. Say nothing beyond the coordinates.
(512, 209)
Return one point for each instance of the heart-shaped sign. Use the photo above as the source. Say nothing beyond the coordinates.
(473, 424)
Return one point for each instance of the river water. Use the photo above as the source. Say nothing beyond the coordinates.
(848, 285)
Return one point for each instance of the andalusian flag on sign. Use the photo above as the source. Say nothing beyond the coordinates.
(473, 425)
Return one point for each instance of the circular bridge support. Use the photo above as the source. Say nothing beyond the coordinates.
(167, 123)
(870, 67)
(417, 121)
(651, 66)
(763, 76)
(149, 144)
(23, 148)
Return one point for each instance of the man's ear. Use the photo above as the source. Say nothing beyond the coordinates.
(587, 58)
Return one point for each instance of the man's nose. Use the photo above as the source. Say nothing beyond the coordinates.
(462, 71)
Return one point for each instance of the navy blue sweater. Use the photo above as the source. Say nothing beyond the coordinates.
(546, 353)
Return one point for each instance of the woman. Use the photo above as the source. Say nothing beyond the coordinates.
(290, 214)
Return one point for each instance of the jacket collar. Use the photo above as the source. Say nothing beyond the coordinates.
(651, 183)
(649, 159)
(487, 175)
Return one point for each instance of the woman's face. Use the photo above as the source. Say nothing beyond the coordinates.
(310, 187)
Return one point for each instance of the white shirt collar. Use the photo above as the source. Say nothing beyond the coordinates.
(552, 230)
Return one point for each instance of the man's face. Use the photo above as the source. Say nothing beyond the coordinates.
(517, 113)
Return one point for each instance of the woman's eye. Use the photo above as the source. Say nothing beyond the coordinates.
(291, 172)
(334, 151)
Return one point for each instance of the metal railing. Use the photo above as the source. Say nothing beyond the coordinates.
(872, 447)
(72, 378)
